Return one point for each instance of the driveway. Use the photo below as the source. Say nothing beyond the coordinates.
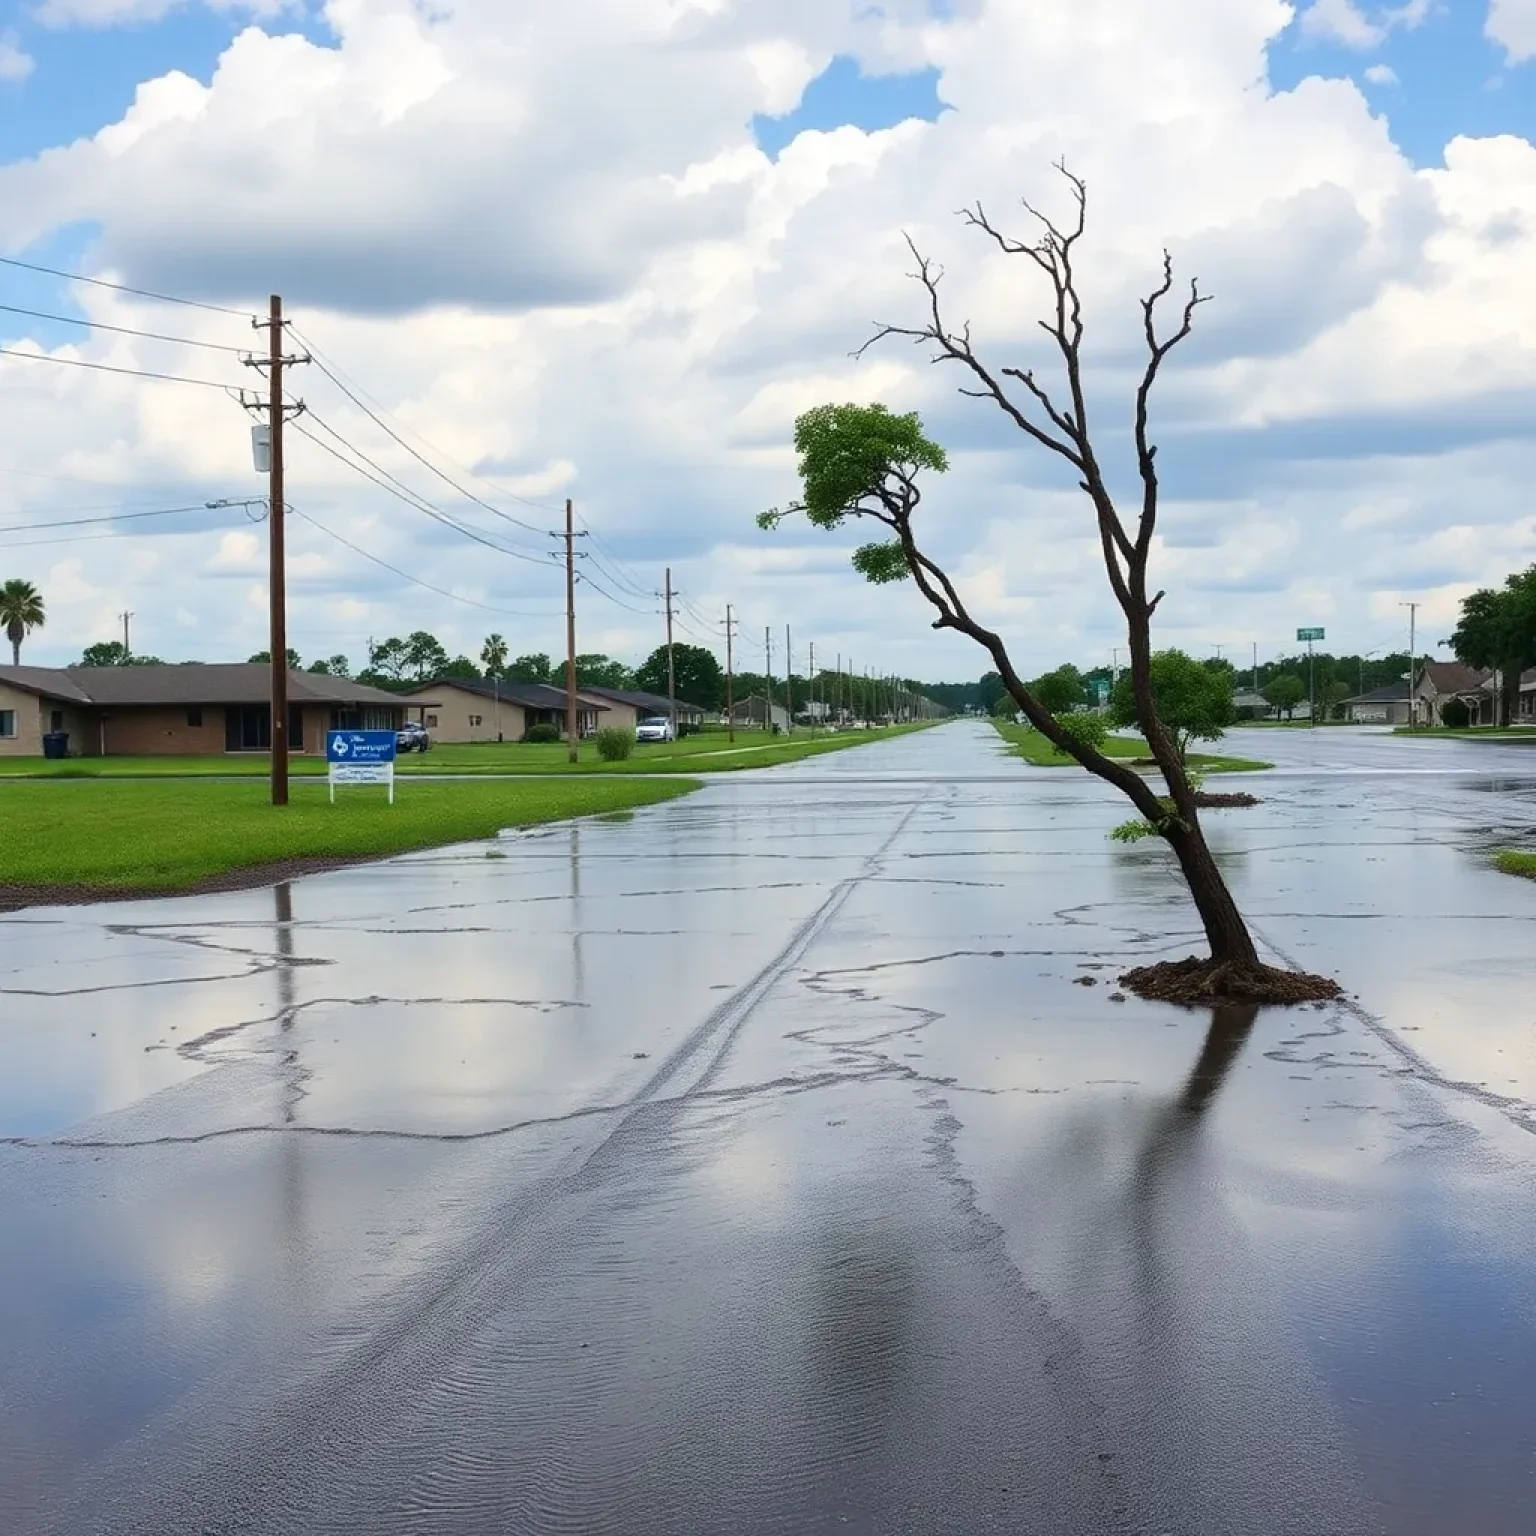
(783, 1159)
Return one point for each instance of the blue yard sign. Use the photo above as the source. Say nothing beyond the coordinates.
(361, 757)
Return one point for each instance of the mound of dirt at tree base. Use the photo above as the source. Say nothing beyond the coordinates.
(1209, 802)
(1195, 981)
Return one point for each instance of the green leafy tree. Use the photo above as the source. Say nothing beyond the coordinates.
(460, 666)
(532, 668)
(866, 463)
(21, 611)
(700, 680)
(1193, 701)
(265, 656)
(387, 661)
(1497, 630)
(332, 666)
(424, 655)
(113, 653)
(1004, 708)
(1060, 691)
(493, 656)
(595, 670)
(1086, 727)
(1283, 692)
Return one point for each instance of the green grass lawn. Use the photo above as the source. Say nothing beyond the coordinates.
(1517, 864)
(1028, 743)
(1522, 733)
(709, 752)
(143, 835)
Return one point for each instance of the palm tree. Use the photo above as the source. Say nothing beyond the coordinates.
(493, 655)
(21, 611)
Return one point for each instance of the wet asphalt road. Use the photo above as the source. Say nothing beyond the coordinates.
(759, 1163)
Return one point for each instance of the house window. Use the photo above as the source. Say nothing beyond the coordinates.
(431, 720)
(248, 728)
(195, 717)
(8, 723)
(473, 719)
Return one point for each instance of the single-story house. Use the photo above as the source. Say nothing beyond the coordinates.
(214, 707)
(631, 705)
(1252, 705)
(756, 710)
(456, 709)
(1439, 682)
(1381, 706)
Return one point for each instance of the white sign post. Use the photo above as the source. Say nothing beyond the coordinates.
(361, 757)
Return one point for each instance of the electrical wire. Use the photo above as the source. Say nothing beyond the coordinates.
(377, 414)
(143, 293)
(416, 581)
(585, 577)
(117, 517)
(397, 488)
(137, 373)
(125, 330)
(632, 579)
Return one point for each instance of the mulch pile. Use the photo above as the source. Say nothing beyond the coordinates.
(1207, 801)
(1195, 981)
(13, 898)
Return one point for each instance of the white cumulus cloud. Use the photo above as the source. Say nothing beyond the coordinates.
(541, 244)
(1512, 24)
(15, 62)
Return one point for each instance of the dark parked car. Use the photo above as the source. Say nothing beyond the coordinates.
(412, 737)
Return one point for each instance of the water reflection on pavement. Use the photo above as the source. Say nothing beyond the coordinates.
(763, 1162)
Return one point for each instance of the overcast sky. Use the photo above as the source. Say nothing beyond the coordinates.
(608, 249)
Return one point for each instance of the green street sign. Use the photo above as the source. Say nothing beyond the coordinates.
(1309, 634)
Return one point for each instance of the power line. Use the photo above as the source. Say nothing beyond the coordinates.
(125, 330)
(116, 517)
(377, 414)
(137, 373)
(416, 581)
(143, 293)
(403, 492)
(585, 577)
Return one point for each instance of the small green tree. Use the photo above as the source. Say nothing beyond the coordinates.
(493, 656)
(699, 677)
(1086, 727)
(265, 656)
(1497, 630)
(21, 611)
(1194, 702)
(614, 743)
(1284, 692)
(1061, 690)
(1005, 708)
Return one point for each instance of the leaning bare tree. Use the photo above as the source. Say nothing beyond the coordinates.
(864, 462)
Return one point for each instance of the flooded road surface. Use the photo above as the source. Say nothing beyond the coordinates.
(767, 1162)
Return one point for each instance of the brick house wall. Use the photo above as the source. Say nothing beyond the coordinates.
(154, 732)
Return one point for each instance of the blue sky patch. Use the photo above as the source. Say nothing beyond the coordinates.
(842, 95)
(1446, 79)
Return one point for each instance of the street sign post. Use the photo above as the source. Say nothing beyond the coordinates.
(360, 757)
(1309, 635)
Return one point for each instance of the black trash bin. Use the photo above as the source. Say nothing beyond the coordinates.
(55, 744)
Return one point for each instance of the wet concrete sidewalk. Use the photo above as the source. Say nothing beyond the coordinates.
(762, 1162)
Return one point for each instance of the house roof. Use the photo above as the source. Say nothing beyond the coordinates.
(525, 695)
(648, 703)
(1393, 693)
(1453, 677)
(195, 683)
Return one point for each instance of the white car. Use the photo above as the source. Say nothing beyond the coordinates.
(654, 728)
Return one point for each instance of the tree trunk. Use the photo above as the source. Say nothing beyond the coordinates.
(1225, 930)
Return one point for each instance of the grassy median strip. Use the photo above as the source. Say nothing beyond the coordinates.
(708, 752)
(1512, 863)
(146, 836)
(1026, 742)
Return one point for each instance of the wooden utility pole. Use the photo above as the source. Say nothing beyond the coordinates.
(837, 691)
(789, 686)
(127, 648)
(810, 684)
(277, 572)
(768, 668)
(573, 752)
(730, 682)
(1413, 613)
(671, 666)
